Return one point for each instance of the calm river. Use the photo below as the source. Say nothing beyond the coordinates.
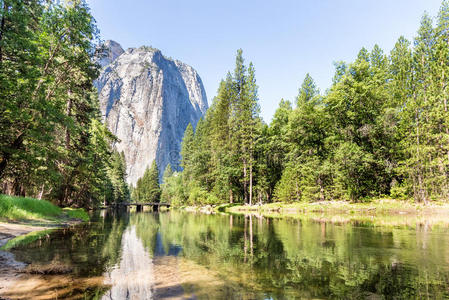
(181, 255)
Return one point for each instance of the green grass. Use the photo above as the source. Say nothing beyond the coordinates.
(25, 239)
(22, 209)
(36, 212)
(76, 213)
(378, 206)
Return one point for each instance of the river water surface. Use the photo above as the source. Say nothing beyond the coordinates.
(181, 255)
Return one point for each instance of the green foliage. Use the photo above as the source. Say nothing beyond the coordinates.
(20, 208)
(219, 159)
(117, 176)
(173, 190)
(76, 213)
(52, 143)
(381, 129)
(147, 188)
(303, 176)
(26, 239)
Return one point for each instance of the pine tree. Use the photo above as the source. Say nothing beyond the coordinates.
(147, 188)
(117, 174)
(186, 154)
(223, 159)
(417, 110)
(303, 178)
(244, 118)
(49, 107)
(167, 173)
(277, 146)
(355, 104)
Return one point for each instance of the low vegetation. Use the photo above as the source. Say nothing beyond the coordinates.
(76, 213)
(375, 207)
(21, 209)
(26, 239)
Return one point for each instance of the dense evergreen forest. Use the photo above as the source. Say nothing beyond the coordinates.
(52, 142)
(380, 130)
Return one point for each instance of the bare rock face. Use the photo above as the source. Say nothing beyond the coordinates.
(108, 52)
(147, 101)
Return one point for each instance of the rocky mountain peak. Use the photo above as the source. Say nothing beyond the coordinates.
(108, 52)
(147, 100)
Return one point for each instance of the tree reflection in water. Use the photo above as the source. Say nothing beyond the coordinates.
(185, 255)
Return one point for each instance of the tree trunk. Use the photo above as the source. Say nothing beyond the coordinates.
(250, 184)
(2, 28)
(446, 128)
(245, 182)
(418, 161)
(68, 113)
(41, 193)
(6, 155)
(320, 183)
(66, 189)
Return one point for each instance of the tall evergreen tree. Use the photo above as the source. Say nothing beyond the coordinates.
(244, 118)
(148, 189)
(49, 107)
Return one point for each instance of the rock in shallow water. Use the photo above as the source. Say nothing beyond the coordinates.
(147, 101)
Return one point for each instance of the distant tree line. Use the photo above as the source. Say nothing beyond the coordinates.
(147, 188)
(380, 130)
(52, 142)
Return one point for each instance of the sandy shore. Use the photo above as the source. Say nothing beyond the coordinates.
(10, 269)
(13, 278)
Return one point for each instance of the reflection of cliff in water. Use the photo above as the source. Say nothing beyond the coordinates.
(146, 266)
(133, 278)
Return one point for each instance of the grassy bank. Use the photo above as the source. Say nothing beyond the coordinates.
(382, 212)
(382, 206)
(25, 239)
(30, 209)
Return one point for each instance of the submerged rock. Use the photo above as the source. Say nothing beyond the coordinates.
(147, 101)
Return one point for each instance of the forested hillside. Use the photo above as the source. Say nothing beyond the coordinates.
(52, 143)
(380, 130)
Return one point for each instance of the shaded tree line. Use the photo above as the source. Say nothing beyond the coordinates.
(147, 188)
(380, 130)
(52, 142)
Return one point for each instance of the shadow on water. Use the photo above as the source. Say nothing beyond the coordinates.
(181, 255)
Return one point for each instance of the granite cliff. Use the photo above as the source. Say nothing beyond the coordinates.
(147, 100)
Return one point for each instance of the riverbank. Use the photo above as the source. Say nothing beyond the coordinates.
(381, 206)
(381, 212)
(24, 220)
(378, 213)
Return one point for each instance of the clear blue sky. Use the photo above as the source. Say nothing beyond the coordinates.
(285, 39)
